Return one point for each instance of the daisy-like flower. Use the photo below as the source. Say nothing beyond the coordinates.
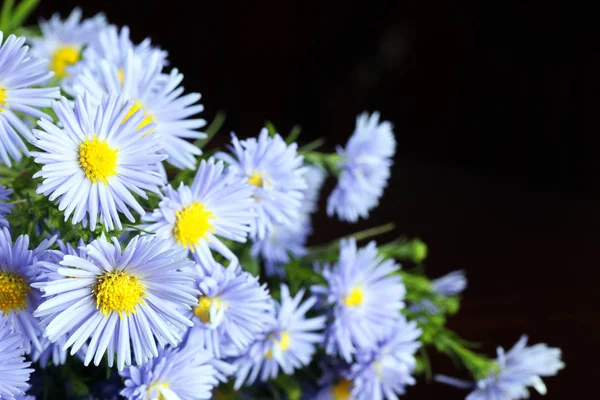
(289, 344)
(315, 177)
(20, 74)
(4, 208)
(14, 371)
(93, 163)
(450, 284)
(365, 169)
(183, 373)
(385, 371)
(18, 270)
(285, 240)
(124, 300)
(276, 173)
(216, 205)
(232, 307)
(366, 297)
(62, 41)
(159, 97)
(519, 369)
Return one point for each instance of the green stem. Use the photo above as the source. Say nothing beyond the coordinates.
(212, 130)
(358, 236)
(315, 144)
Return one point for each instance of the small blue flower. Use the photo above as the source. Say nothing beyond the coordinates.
(450, 284)
(232, 307)
(289, 344)
(14, 371)
(384, 372)
(216, 205)
(18, 270)
(124, 300)
(315, 177)
(520, 368)
(276, 174)
(62, 41)
(20, 78)
(366, 296)
(95, 160)
(159, 97)
(182, 373)
(4, 208)
(365, 169)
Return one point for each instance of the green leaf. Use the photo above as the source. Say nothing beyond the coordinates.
(271, 128)
(289, 385)
(78, 387)
(23, 10)
(294, 133)
(212, 129)
(6, 14)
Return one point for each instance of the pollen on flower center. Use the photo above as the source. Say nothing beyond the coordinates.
(355, 298)
(97, 160)
(342, 390)
(13, 292)
(148, 118)
(3, 96)
(157, 386)
(203, 309)
(118, 291)
(64, 57)
(121, 76)
(255, 179)
(192, 224)
(282, 343)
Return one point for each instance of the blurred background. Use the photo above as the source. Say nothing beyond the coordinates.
(493, 170)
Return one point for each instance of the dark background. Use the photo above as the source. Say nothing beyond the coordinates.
(493, 168)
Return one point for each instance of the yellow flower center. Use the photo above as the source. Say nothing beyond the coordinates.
(283, 343)
(148, 118)
(342, 390)
(203, 309)
(97, 160)
(64, 57)
(156, 386)
(121, 75)
(13, 292)
(118, 291)
(255, 179)
(3, 96)
(355, 298)
(192, 224)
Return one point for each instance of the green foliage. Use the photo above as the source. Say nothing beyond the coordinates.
(12, 17)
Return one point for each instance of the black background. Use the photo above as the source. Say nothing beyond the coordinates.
(493, 169)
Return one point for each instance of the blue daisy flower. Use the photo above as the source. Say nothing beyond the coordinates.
(159, 97)
(232, 307)
(62, 41)
(336, 381)
(18, 270)
(289, 344)
(124, 300)
(20, 74)
(93, 163)
(276, 173)
(385, 371)
(365, 169)
(216, 205)
(14, 371)
(315, 177)
(182, 373)
(366, 297)
(450, 284)
(4, 208)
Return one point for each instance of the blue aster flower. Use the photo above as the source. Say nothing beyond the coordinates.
(365, 169)
(232, 307)
(276, 173)
(366, 296)
(284, 240)
(62, 41)
(520, 368)
(289, 344)
(18, 270)
(216, 205)
(4, 208)
(93, 163)
(336, 381)
(20, 74)
(450, 284)
(315, 177)
(14, 371)
(183, 373)
(159, 97)
(124, 300)
(385, 371)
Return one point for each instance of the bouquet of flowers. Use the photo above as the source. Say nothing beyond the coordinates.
(137, 262)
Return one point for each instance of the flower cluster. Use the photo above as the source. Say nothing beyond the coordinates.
(124, 247)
